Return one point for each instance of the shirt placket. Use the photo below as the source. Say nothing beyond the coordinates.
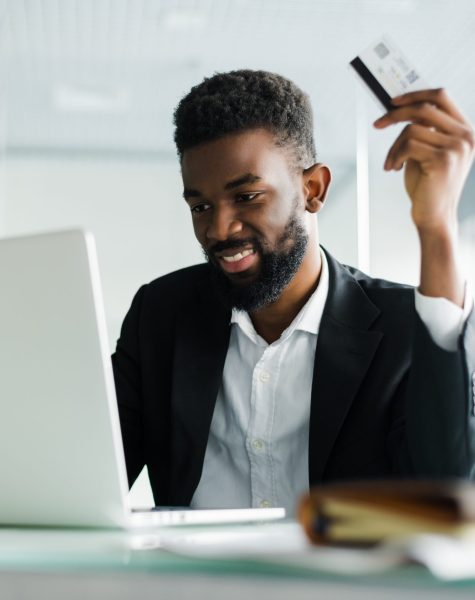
(259, 438)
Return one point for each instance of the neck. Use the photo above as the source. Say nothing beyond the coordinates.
(270, 321)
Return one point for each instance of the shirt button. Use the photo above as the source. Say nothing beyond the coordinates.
(265, 504)
(264, 376)
(258, 444)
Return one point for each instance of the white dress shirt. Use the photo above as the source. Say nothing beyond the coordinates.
(444, 319)
(257, 452)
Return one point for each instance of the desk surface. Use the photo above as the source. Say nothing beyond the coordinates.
(88, 564)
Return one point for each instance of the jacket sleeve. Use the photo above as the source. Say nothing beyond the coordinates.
(439, 405)
(128, 383)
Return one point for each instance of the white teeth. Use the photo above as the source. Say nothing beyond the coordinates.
(234, 258)
(238, 256)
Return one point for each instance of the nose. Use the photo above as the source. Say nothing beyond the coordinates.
(223, 223)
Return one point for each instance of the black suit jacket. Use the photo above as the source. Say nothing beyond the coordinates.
(386, 401)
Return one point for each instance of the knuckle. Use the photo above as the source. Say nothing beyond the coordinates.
(459, 145)
(465, 143)
(469, 138)
(441, 93)
(423, 108)
(446, 159)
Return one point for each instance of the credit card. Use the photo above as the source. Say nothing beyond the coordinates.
(387, 72)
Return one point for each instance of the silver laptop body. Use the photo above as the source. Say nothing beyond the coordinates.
(61, 453)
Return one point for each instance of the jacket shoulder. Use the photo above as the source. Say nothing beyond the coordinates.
(171, 292)
(178, 281)
(383, 292)
(178, 286)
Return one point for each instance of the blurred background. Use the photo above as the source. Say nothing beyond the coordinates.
(87, 92)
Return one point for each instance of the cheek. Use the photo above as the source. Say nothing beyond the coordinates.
(276, 220)
(198, 228)
(276, 216)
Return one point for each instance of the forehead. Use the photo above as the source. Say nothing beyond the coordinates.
(253, 151)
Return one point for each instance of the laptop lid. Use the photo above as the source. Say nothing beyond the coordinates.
(61, 454)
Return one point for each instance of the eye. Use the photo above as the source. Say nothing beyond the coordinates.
(199, 208)
(247, 197)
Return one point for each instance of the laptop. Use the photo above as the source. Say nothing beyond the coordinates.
(61, 454)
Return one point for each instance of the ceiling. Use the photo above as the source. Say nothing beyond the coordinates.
(103, 76)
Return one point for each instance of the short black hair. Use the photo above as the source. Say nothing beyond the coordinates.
(245, 99)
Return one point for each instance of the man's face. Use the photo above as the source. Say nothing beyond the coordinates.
(246, 202)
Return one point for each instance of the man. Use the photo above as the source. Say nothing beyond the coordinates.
(272, 367)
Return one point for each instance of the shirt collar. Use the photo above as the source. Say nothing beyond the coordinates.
(308, 319)
(310, 316)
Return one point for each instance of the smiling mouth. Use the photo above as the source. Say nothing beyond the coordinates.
(238, 262)
(239, 256)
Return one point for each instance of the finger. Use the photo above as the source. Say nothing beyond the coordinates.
(422, 134)
(422, 153)
(438, 97)
(425, 114)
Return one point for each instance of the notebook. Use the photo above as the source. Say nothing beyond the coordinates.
(61, 454)
(368, 512)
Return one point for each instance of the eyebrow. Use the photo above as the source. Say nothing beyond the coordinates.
(245, 179)
(231, 185)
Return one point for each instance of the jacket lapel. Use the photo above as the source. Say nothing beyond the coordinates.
(345, 349)
(202, 340)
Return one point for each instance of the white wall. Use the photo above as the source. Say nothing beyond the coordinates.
(135, 210)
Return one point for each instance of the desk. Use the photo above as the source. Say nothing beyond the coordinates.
(84, 565)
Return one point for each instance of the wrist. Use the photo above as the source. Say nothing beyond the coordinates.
(440, 268)
(435, 218)
(443, 232)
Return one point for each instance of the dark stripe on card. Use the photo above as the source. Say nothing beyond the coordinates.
(371, 81)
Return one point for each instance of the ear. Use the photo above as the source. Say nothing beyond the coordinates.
(316, 181)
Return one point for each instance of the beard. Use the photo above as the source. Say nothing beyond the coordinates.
(277, 269)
